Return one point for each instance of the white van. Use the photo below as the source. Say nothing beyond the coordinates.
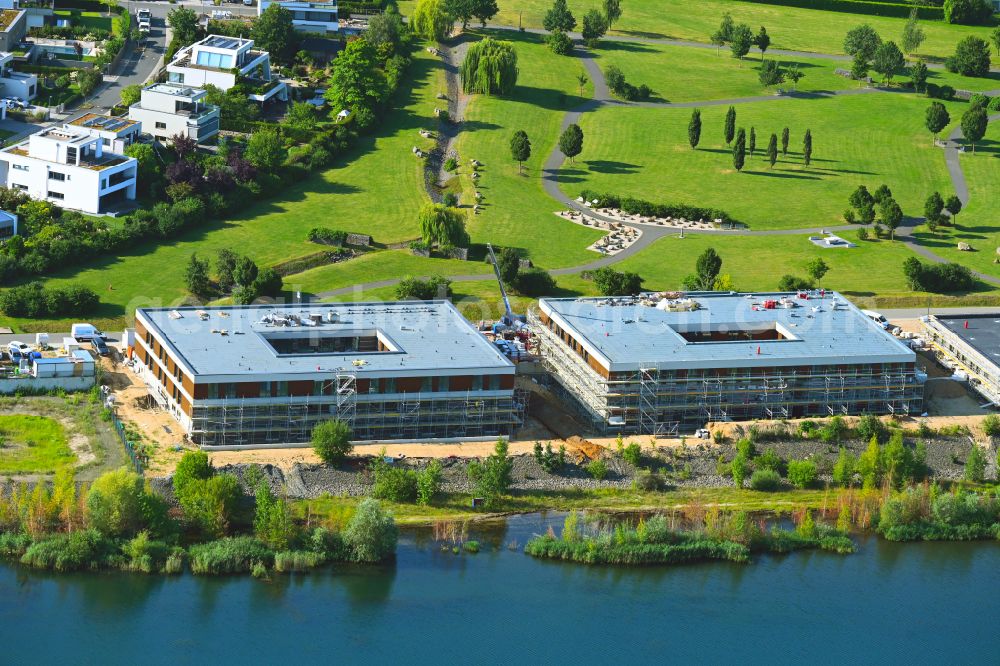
(877, 318)
(83, 332)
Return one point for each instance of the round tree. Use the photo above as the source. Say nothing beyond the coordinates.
(489, 68)
(936, 118)
(520, 148)
(331, 441)
(974, 123)
(571, 141)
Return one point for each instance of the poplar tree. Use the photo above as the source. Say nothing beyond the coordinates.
(694, 128)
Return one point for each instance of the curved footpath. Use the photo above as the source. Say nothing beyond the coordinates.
(651, 234)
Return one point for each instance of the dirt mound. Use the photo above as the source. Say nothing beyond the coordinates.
(582, 450)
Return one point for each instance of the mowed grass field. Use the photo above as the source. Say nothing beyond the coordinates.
(790, 27)
(30, 444)
(516, 211)
(869, 139)
(377, 189)
(685, 74)
(979, 223)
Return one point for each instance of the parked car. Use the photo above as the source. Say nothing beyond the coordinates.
(877, 318)
(18, 350)
(248, 3)
(144, 14)
(83, 332)
(144, 26)
(100, 346)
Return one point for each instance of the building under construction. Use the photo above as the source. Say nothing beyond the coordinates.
(667, 363)
(266, 375)
(969, 344)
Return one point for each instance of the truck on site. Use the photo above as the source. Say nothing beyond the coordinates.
(84, 332)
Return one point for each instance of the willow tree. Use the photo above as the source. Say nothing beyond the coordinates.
(443, 226)
(490, 68)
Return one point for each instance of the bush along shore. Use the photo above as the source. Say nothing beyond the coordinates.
(729, 536)
(118, 522)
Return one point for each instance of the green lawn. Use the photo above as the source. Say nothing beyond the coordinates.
(864, 139)
(684, 74)
(379, 266)
(789, 27)
(30, 444)
(86, 19)
(377, 189)
(979, 224)
(756, 263)
(516, 211)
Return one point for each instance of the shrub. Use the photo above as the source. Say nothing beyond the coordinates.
(450, 164)
(739, 468)
(559, 43)
(371, 535)
(492, 477)
(428, 482)
(471, 546)
(835, 430)
(115, 502)
(331, 441)
(871, 426)
(646, 480)
(145, 554)
(83, 549)
(802, 473)
(766, 480)
(991, 425)
(229, 555)
(392, 483)
(769, 460)
(430, 289)
(975, 465)
(534, 282)
(597, 468)
(843, 469)
(648, 209)
(327, 236)
(632, 454)
(33, 300)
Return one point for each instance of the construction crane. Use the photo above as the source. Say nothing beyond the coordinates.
(508, 318)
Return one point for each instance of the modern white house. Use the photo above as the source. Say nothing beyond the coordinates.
(116, 134)
(13, 25)
(16, 84)
(320, 17)
(68, 166)
(223, 62)
(167, 109)
(8, 225)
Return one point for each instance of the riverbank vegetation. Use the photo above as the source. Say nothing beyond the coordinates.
(120, 522)
(731, 536)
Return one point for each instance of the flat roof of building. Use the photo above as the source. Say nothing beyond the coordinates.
(421, 337)
(224, 42)
(982, 334)
(103, 122)
(178, 89)
(712, 330)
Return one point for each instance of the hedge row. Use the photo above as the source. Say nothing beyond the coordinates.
(871, 7)
(648, 209)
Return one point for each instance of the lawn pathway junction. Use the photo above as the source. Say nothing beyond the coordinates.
(650, 234)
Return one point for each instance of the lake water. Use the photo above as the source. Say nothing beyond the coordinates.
(888, 603)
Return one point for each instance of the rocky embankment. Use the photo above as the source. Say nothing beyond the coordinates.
(690, 467)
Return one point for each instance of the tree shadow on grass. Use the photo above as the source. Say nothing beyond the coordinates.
(782, 174)
(611, 166)
(629, 47)
(644, 34)
(569, 175)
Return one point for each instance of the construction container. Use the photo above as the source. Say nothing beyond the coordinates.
(42, 340)
(70, 345)
(46, 367)
(128, 338)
